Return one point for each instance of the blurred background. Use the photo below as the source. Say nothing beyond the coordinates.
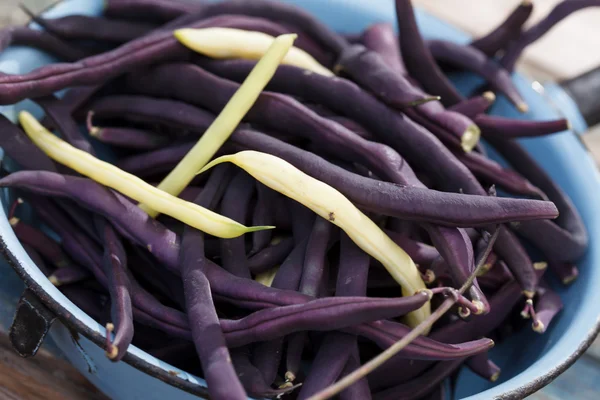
(570, 49)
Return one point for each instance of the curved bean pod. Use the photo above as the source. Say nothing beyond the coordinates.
(471, 59)
(507, 128)
(506, 32)
(558, 13)
(23, 36)
(418, 59)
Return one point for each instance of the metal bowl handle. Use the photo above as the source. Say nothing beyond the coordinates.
(31, 324)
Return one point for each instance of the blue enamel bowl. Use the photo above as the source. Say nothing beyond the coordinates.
(528, 360)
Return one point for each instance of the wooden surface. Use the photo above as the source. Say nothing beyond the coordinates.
(43, 377)
(570, 49)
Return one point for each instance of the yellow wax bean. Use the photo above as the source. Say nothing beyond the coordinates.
(226, 122)
(130, 185)
(238, 43)
(330, 204)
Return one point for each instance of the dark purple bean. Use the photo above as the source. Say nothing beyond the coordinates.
(418, 59)
(154, 276)
(563, 240)
(336, 348)
(353, 126)
(326, 314)
(79, 247)
(422, 385)
(566, 272)
(19, 147)
(153, 110)
(206, 332)
(127, 217)
(388, 201)
(502, 303)
(288, 277)
(271, 256)
(61, 118)
(386, 333)
(370, 71)
(152, 48)
(547, 305)
(382, 39)
(509, 247)
(269, 110)
(507, 128)
(558, 13)
(360, 389)
(251, 378)
(473, 60)
(456, 249)
(38, 260)
(83, 27)
(506, 32)
(475, 105)
(154, 162)
(235, 206)
(41, 242)
(484, 367)
(119, 287)
(496, 277)
(313, 274)
(68, 275)
(88, 301)
(490, 172)
(23, 36)
(329, 363)
(262, 216)
(125, 137)
(160, 10)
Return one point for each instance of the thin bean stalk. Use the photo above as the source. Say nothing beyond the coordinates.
(422, 328)
(226, 122)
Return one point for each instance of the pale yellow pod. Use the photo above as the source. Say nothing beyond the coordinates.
(238, 43)
(130, 185)
(332, 205)
(227, 120)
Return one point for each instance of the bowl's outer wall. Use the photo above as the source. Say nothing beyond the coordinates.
(563, 156)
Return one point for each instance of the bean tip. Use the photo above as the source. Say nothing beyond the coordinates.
(92, 130)
(217, 161)
(540, 265)
(538, 326)
(470, 138)
(54, 280)
(289, 377)
(479, 307)
(570, 279)
(495, 376)
(259, 228)
(569, 125)
(424, 100)
(489, 96)
(112, 352)
(464, 312)
(522, 107)
(426, 292)
(13, 221)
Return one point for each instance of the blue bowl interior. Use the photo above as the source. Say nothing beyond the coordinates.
(562, 155)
